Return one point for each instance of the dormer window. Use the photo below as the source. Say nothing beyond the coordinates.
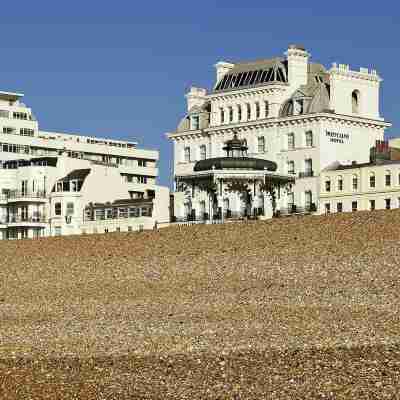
(230, 114)
(355, 102)
(257, 110)
(195, 122)
(298, 107)
(239, 109)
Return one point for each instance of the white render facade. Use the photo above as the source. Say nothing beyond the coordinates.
(289, 110)
(97, 173)
(372, 186)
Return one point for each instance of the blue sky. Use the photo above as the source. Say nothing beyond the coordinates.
(120, 68)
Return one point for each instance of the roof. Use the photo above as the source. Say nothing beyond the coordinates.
(235, 163)
(254, 73)
(340, 167)
(9, 96)
(79, 174)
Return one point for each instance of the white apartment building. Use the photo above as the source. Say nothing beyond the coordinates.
(56, 183)
(288, 110)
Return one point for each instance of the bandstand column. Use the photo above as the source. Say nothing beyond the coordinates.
(268, 209)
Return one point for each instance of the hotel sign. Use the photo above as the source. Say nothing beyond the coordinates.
(336, 137)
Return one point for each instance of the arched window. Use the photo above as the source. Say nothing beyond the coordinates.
(355, 182)
(355, 101)
(340, 183)
(239, 110)
(327, 185)
(372, 180)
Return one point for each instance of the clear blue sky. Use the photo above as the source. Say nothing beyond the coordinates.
(121, 68)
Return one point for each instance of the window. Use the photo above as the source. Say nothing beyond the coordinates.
(20, 115)
(26, 132)
(142, 179)
(222, 115)
(257, 110)
(308, 170)
(187, 154)
(230, 109)
(70, 209)
(24, 187)
(100, 214)
(388, 178)
(142, 163)
(195, 122)
(309, 139)
(372, 205)
(57, 231)
(298, 107)
(340, 183)
(261, 144)
(8, 130)
(308, 199)
(387, 204)
(355, 101)
(290, 141)
(371, 180)
(239, 110)
(339, 207)
(355, 182)
(203, 152)
(353, 206)
(328, 185)
(290, 167)
(266, 109)
(57, 208)
(248, 108)
(123, 213)
(327, 208)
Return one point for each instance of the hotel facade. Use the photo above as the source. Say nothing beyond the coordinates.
(58, 184)
(297, 114)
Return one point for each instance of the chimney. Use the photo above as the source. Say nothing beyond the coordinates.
(223, 68)
(195, 97)
(381, 151)
(297, 59)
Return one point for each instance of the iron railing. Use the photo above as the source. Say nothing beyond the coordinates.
(12, 219)
(18, 194)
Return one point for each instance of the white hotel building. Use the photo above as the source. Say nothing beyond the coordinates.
(59, 184)
(291, 111)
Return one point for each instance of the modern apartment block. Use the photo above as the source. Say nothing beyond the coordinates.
(289, 110)
(54, 183)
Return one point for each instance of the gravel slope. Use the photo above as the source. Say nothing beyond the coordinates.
(291, 308)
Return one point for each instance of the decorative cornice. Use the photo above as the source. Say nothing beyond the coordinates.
(281, 122)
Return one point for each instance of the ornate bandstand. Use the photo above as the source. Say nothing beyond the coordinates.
(234, 186)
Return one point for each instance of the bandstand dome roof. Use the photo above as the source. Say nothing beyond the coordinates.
(242, 163)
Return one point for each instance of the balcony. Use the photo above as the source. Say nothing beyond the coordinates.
(306, 174)
(17, 195)
(25, 220)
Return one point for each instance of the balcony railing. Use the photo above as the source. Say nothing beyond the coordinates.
(17, 194)
(306, 174)
(12, 219)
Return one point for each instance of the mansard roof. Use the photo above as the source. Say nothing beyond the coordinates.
(255, 73)
(315, 98)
